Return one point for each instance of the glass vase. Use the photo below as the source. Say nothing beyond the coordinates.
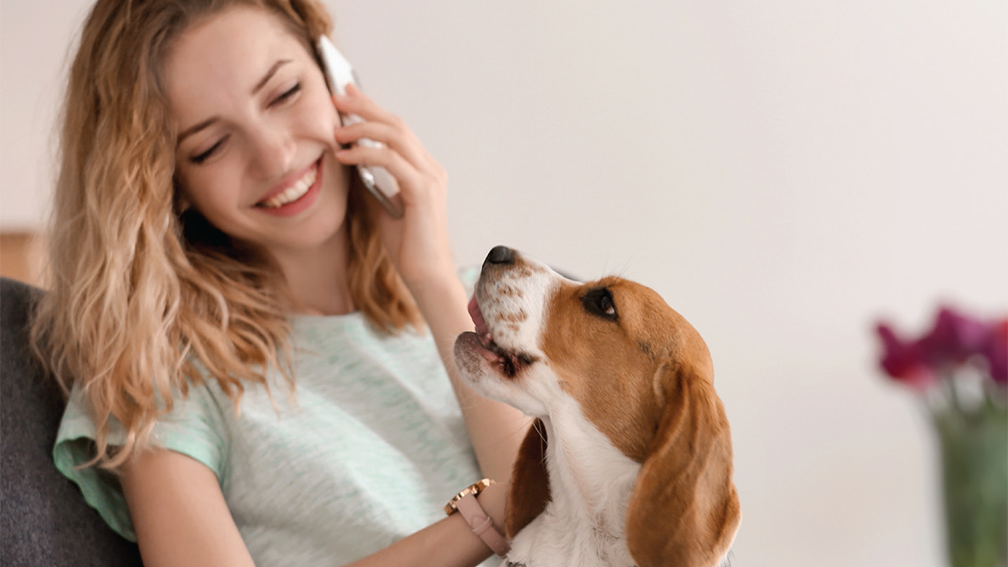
(974, 456)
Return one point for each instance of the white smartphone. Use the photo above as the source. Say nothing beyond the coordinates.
(378, 181)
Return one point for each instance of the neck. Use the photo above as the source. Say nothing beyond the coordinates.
(318, 278)
(590, 479)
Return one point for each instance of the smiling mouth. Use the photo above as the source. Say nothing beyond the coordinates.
(291, 194)
(508, 362)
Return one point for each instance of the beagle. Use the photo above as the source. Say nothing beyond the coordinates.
(629, 461)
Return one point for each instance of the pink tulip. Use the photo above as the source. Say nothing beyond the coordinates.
(954, 338)
(996, 352)
(906, 362)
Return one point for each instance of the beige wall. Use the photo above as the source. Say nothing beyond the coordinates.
(781, 171)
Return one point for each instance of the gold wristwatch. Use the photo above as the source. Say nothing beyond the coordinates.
(479, 521)
(474, 489)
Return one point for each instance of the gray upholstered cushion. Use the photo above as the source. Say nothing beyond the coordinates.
(45, 521)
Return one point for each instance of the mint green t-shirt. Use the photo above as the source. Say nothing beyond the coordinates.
(369, 452)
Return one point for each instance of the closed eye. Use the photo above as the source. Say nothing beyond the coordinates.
(287, 94)
(200, 158)
(599, 302)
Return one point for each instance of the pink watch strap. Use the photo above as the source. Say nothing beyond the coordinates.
(481, 524)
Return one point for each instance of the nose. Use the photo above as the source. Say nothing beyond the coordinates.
(500, 255)
(273, 152)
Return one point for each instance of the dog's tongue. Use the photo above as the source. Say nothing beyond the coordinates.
(477, 317)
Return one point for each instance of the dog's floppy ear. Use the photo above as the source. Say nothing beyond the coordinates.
(684, 510)
(529, 492)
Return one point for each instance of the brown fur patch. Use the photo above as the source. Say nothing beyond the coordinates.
(529, 492)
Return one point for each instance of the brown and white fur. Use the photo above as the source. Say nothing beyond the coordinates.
(629, 461)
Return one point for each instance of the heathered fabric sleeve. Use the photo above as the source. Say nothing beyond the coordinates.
(194, 428)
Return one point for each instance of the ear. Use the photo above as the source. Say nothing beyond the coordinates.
(684, 509)
(529, 491)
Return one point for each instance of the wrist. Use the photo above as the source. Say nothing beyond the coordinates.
(471, 504)
(438, 292)
(492, 499)
(426, 267)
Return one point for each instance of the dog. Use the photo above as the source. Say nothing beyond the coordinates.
(629, 459)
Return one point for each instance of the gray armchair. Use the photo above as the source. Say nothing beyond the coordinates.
(45, 520)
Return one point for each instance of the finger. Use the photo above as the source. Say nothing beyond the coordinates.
(388, 135)
(356, 102)
(407, 176)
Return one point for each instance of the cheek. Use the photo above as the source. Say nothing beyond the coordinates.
(214, 192)
(337, 176)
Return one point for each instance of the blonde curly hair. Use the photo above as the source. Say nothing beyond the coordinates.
(137, 291)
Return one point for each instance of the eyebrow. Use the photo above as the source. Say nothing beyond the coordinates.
(255, 90)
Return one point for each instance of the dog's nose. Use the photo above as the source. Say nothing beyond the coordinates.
(500, 255)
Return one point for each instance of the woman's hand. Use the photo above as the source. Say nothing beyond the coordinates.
(418, 244)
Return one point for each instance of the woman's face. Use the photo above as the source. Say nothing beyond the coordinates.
(256, 132)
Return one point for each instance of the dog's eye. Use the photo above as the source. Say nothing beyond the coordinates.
(599, 302)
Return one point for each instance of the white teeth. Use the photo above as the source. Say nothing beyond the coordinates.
(292, 193)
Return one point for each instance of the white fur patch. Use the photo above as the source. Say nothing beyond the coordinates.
(590, 484)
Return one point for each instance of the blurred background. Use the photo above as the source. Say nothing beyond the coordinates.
(783, 172)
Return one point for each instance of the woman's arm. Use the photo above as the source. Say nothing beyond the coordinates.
(182, 520)
(179, 513)
(420, 248)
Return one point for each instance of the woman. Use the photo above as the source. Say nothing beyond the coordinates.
(249, 344)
